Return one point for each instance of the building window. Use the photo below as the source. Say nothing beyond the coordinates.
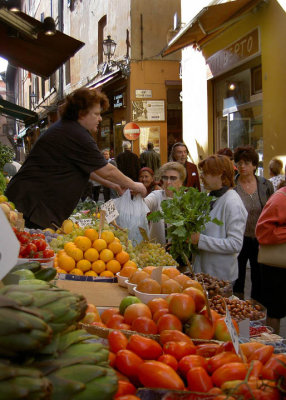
(101, 25)
(43, 81)
(52, 81)
(67, 72)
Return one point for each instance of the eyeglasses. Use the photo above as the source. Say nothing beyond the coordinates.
(169, 178)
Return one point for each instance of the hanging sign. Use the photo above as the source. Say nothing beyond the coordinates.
(131, 131)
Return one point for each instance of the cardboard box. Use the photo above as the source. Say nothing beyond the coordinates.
(101, 294)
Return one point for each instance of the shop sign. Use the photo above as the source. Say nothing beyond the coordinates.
(143, 93)
(237, 53)
(148, 110)
(131, 131)
(118, 101)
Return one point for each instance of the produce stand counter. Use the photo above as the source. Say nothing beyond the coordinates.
(101, 294)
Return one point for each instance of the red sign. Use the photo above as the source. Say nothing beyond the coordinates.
(131, 131)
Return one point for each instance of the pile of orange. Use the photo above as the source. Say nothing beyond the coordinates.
(90, 255)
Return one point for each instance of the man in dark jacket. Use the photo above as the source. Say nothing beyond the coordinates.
(179, 153)
(150, 158)
(128, 163)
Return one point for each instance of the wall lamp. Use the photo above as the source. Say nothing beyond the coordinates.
(11, 5)
(109, 47)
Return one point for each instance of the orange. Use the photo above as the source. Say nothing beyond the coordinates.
(130, 263)
(106, 255)
(122, 257)
(76, 271)
(115, 247)
(127, 271)
(116, 239)
(91, 273)
(108, 274)
(113, 266)
(149, 286)
(149, 269)
(66, 263)
(108, 236)
(82, 242)
(61, 252)
(98, 266)
(91, 255)
(91, 234)
(171, 272)
(76, 254)
(68, 247)
(83, 265)
(60, 271)
(99, 244)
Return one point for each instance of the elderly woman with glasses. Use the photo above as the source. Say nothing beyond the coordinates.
(173, 175)
(219, 245)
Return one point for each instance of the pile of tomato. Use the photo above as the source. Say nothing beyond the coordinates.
(33, 245)
(209, 369)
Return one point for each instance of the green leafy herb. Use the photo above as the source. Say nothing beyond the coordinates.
(6, 155)
(186, 213)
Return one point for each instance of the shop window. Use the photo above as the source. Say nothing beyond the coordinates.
(100, 34)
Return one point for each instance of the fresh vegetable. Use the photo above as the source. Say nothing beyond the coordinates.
(156, 374)
(187, 212)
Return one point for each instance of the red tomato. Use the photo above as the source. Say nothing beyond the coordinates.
(256, 368)
(220, 359)
(128, 397)
(221, 330)
(114, 321)
(198, 380)
(191, 361)
(214, 314)
(155, 374)
(179, 349)
(125, 387)
(23, 251)
(249, 347)
(107, 314)
(158, 314)
(128, 362)
(136, 310)
(225, 346)
(207, 350)
(144, 325)
(124, 327)
(38, 236)
(262, 354)
(198, 296)
(157, 304)
(275, 367)
(117, 341)
(199, 327)
(111, 358)
(174, 336)
(31, 249)
(146, 348)
(40, 243)
(48, 253)
(169, 360)
(229, 372)
(23, 237)
(182, 305)
(266, 393)
(169, 322)
(97, 323)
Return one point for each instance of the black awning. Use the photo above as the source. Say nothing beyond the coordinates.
(13, 110)
(24, 44)
(208, 23)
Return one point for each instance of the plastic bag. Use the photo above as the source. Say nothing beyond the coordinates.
(132, 215)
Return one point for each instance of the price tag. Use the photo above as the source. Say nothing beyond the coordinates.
(9, 246)
(111, 212)
(232, 330)
(85, 222)
(157, 274)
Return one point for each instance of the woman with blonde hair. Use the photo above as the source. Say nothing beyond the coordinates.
(171, 174)
(219, 245)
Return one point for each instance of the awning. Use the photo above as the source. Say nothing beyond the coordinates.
(13, 110)
(24, 45)
(209, 22)
(102, 80)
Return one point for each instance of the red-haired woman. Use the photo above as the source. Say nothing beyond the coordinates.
(219, 245)
(146, 176)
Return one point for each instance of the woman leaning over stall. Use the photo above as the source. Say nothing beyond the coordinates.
(219, 245)
(173, 175)
(254, 191)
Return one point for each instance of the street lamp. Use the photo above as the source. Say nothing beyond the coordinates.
(109, 47)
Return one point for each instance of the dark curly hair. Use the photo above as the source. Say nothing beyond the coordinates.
(218, 164)
(81, 101)
(226, 151)
(246, 153)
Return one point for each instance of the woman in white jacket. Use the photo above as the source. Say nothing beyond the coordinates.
(219, 245)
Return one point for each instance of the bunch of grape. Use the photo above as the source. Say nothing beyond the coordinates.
(147, 253)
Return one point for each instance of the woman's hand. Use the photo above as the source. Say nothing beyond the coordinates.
(195, 237)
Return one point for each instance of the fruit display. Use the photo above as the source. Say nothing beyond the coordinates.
(148, 253)
(14, 217)
(213, 285)
(33, 245)
(29, 270)
(90, 255)
(239, 309)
